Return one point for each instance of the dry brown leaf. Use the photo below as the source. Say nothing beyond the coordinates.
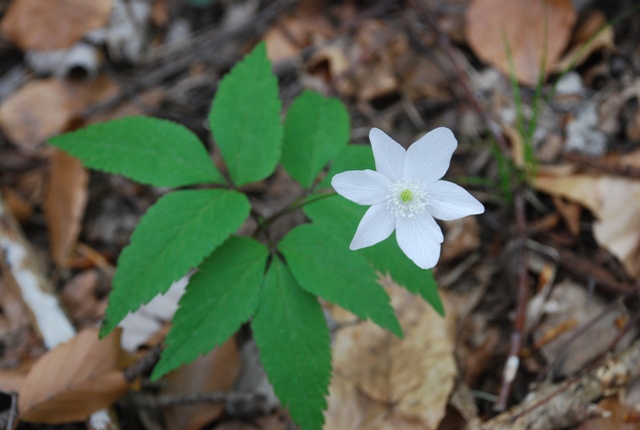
(463, 236)
(616, 203)
(523, 23)
(74, 379)
(11, 380)
(216, 371)
(382, 382)
(618, 417)
(53, 24)
(64, 203)
(43, 108)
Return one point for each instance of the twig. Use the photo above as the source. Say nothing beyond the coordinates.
(165, 400)
(144, 365)
(517, 335)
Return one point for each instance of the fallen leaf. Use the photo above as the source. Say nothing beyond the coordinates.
(614, 200)
(64, 203)
(594, 34)
(462, 236)
(43, 108)
(53, 24)
(569, 307)
(382, 382)
(80, 299)
(74, 379)
(215, 371)
(530, 28)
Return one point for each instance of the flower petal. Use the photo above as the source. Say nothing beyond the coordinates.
(420, 238)
(428, 159)
(448, 201)
(365, 187)
(376, 225)
(388, 153)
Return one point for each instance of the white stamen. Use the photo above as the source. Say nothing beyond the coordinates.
(407, 198)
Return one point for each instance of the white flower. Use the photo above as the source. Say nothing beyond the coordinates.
(406, 194)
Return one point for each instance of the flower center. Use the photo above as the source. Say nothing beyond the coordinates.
(407, 198)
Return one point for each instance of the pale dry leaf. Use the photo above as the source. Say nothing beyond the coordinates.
(530, 27)
(215, 371)
(74, 379)
(64, 203)
(53, 24)
(43, 108)
(569, 307)
(615, 201)
(385, 382)
(594, 34)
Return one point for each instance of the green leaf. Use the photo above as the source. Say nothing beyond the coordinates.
(352, 157)
(343, 216)
(245, 118)
(173, 237)
(221, 296)
(147, 150)
(293, 339)
(323, 265)
(315, 131)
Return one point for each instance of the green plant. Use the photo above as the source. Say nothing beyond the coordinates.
(275, 286)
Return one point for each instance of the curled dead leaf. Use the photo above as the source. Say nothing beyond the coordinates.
(74, 379)
(616, 203)
(532, 28)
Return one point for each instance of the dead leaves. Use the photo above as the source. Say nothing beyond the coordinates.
(381, 382)
(615, 201)
(64, 204)
(53, 24)
(73, 380)
(533, 30)
(41, 109)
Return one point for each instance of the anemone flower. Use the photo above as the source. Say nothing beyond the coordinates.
(406, 194)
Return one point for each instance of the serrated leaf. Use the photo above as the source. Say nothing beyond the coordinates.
(148, 150)
(293, 339)
(245, 118)
(174, 236)
(343, 216)
(352, 157)
(315, 131)
(323, 265)
(221, 296)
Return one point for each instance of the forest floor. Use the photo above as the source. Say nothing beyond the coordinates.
(541, 291)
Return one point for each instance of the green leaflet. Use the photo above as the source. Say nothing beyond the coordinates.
(173, 237)
(341, 216)
(292, 336)
(222, 295)
(245, 118)
(315, 131)
(323, 265)
(352, 157)
(147, 150)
